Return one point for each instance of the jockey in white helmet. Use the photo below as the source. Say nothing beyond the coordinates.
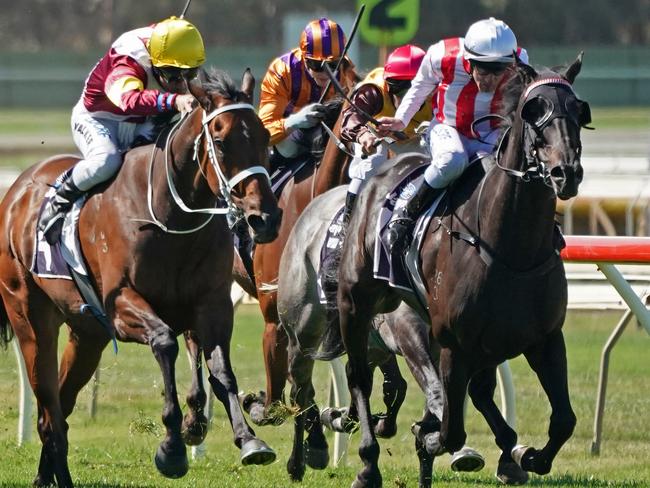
(468, 74)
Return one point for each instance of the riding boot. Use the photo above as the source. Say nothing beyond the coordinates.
(53, 214)
(350, 198)
(403, 220)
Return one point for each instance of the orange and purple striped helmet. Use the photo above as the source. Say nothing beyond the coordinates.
(322, 39)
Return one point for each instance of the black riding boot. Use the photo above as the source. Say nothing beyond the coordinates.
(403, 220)
(51, 220)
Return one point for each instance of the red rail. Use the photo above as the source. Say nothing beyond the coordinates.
(604, 249)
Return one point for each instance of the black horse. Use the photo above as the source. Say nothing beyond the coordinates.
(495, 284)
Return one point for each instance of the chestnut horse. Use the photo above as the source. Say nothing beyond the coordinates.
(158, 269)
(309, 182)
(495, 284)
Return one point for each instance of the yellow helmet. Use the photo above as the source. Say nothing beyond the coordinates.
(176, 42)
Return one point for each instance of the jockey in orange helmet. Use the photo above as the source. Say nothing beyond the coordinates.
(144, 73)
(294, 83)
(379, 94)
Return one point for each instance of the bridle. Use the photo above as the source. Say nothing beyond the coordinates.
(554, 104)
(226, 185)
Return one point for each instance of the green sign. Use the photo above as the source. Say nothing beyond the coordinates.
(389, 22)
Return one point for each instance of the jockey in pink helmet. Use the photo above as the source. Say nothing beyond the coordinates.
(467, 75)
(379, 94)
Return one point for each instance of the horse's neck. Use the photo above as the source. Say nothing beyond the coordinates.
(516, 217)
(332, 170)
(179, 162)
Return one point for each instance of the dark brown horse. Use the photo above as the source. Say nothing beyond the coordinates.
(156, 279)
(495, 285)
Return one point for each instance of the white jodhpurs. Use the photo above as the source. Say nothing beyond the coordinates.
(451, 153)
(102, 143)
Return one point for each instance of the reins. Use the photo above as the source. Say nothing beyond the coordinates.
(225, 185)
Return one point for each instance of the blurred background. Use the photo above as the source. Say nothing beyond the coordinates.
(48, 47)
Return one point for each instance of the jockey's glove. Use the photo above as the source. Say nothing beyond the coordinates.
(306, 117)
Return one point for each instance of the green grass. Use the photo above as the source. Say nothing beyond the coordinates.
(117, 448)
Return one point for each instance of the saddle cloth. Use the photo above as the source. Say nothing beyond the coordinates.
(384, 266)
(52, 261)
(332, 244)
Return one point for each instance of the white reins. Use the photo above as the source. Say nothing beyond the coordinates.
(225, 185)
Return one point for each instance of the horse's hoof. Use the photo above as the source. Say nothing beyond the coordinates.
(510, 473)
(316, 457)
(524, 456)
(194, 429)
(384, 428)
(296, 470)
(467, 460)
(249, 399)
(359, 482)
(256, 451)
(41, 481)
(171, 465)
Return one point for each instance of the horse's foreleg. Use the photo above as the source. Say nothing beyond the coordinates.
(195, 424)
(549, 363)
(394, 392)
(314, 451)
(214, 326)
(355, 325)
(481, 391)
(274, 345)
(136, 314)
(454, 379)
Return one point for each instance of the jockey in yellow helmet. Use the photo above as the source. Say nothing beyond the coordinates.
(144, 73)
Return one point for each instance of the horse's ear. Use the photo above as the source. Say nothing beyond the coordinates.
(196, 89)
(572, 71)
(248, 84)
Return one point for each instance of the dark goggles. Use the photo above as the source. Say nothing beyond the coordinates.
(484, 69)
(318, 65)
(397, 87)
(171, 74)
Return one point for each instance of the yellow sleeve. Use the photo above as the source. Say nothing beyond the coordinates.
(275, 95)
(121, 86)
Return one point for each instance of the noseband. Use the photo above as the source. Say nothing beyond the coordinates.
(226, 185)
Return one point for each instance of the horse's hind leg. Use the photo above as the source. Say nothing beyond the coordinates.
(214, 328)
(314, 451)
(548, 360)
(195, 423)
(481, 391)
(39, 349)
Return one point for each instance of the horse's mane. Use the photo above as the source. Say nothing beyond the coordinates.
(520, 76)
(216, 80)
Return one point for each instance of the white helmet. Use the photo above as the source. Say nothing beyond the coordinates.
(490, 41)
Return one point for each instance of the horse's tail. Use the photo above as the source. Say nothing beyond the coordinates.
(6, 333)
(332, 345)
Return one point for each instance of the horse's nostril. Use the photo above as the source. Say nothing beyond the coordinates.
(255, 222)
(580, 173)
(558, 172)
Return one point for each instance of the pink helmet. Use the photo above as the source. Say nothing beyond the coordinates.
(403, 63)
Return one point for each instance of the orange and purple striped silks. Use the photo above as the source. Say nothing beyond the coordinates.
(322, 39)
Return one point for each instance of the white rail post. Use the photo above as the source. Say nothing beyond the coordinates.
(339, 396)
(25, 405)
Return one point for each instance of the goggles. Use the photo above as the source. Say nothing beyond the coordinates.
(317, 65)
(397, 87)
(170, 74)
(484, 69)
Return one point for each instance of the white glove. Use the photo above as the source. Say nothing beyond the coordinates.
(306, 117)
